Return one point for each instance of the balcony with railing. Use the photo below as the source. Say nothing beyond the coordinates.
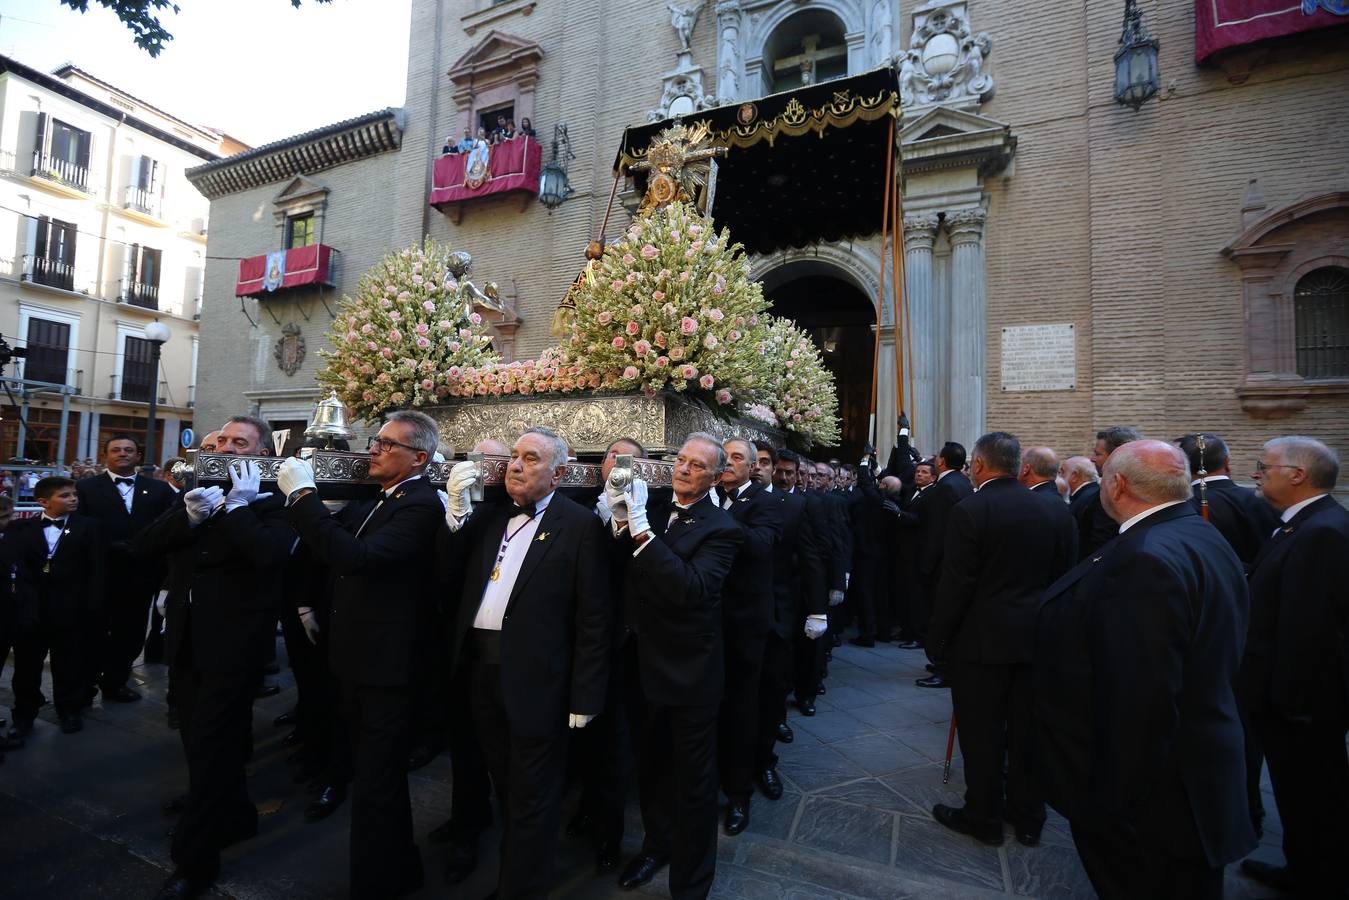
(62, 171)
(142, 201)
(55, 273)
(135, 390)
(145, 296)
(284, 270)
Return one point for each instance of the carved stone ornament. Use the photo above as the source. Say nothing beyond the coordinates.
(682, 88)
(289, 350)
(946, 63)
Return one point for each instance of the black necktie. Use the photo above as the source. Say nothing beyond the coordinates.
(682, 513)
(53, 523)
(127, 481)
(518, 510)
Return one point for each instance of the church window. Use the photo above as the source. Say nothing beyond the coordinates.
(807, 48)
(1321, 310)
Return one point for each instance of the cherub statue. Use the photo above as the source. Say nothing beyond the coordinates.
(460, 264)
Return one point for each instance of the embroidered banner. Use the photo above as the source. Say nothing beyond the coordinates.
(1223, 24)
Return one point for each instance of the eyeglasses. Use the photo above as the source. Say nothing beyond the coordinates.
(385, 445)
(1262, 466)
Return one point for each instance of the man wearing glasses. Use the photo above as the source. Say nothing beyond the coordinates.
(1294, 679)
(380, 603)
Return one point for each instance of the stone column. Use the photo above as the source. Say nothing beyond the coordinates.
(968, 322)
(920, 232)
(729, 54)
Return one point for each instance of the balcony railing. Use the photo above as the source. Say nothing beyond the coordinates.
(61, 170)
(143, 295)
(135, 391)
(142, 201)
(51, 272)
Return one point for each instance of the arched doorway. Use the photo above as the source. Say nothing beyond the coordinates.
(839, 317)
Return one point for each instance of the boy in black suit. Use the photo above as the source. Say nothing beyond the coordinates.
(59, 559)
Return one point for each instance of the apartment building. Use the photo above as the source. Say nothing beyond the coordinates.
(100, 235)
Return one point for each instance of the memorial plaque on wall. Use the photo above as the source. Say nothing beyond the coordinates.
(1039, 358)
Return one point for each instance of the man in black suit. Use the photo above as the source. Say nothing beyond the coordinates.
(380, 604)
(1039, 468)
(1004, 546)
(59, 560)
(1084, 488)
(124, 502)
(913, 602)
(1294, 680)
(798, 598)
(1244, 519)
(681, 558)
(793, 474)
(1138, 742)
(533, 623)
(949, 489)
(1095, 527)
(227, 553)
(747, 608)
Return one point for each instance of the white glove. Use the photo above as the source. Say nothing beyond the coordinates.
(816, 626)
(635, 498)
(602, 510)
(847, 578)
(459, 493)
(615, 499)
(865, 463)
(162, 603)
(294, 475)
(578, 720)
(245, 478)
(310, 623)
(201, 502)
(835, 598)
(444, 499)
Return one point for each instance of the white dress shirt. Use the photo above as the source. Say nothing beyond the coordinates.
(520, 530)
(128, 491)
(1287, 515)
(52, 535)
(731, 497)
(1147, 512)
(1209, 478)
(674, 508)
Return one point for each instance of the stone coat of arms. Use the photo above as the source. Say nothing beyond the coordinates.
(289, 350)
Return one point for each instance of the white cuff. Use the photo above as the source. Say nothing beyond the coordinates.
(643, 545)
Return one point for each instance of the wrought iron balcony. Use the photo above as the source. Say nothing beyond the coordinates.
(54, 168)
(51, 272)
(142, 201)
(143, 295)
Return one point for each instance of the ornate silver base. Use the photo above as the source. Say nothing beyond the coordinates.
(590, 422)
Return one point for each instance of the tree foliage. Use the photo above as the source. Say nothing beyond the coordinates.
(142, 18)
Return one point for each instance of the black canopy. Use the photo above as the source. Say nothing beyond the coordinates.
(801, 166)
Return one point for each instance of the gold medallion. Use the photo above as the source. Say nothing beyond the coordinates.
(496, 574)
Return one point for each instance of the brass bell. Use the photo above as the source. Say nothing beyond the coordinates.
(330, 421)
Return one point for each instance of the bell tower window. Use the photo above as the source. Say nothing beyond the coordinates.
(807, 48)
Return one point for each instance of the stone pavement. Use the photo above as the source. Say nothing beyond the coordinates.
(81, 814)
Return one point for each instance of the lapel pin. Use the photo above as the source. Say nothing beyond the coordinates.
(398, 496)
(1097, 559)
(543, 536)
(1288, 529)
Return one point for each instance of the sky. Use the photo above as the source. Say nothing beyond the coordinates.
(242, 66)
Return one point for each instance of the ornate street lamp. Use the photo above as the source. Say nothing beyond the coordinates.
(158, 334)
(1136, 79)
(553, 185)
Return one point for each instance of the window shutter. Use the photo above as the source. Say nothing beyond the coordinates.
(68, 243)
(83, 150)
(149, 274)
(41, 237)
(133, 180)
(40, 142)
(37, 238)
(129, 254)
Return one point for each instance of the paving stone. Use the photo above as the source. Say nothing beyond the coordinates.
(1047, 872)
(879, 754)
(925, 846)
(820, 767)
(773, 818)
(836, 726)
(847, 829)
(866, 792)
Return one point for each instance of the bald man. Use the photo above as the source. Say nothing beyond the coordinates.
(1138, 738)
(1039, 466)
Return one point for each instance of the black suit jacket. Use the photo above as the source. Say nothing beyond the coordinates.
(62, 591)
(798, 569)
(833, 528)
(673, 599)
(1049, 489)
(225, 580)
(933, 515)
(1094, 525)
(1004, 546)
(1297, 651)
(747, 594)
(99, 499)
(1242, 515)
(1136, 651)
(555, 630)
(384, 579)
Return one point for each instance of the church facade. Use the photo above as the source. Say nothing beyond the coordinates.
(1072, 263)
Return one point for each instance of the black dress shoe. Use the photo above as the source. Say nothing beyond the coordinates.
(271, 668)
(286, 718)
(930, 667)
(292, 740)
(579, 824)
(807, 707)
(737, 817)
(822, 690)
(329, 799)
(421, 754)
(181, 887)
(934, 682)
(71, 723)
(267, 690)
(639, 871)
(121, 694)
(175, 805)
(785, 733)
(862, 642)
(908, 645)
(1026, 835)
(1278, 877)
(21, 729)
(771, 783)
(955, 819)
(461, 860)
(606, 856)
